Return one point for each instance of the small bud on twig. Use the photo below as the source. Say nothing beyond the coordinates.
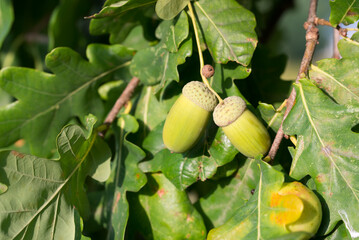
(207, 71)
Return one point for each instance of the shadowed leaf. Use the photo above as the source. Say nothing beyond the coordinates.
(43, 193)
(125, 176)
(6, 19)
(161, 211)
(46, 102)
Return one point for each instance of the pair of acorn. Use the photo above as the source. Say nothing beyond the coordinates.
(191, 112)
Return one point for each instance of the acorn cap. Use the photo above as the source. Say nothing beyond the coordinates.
(199, 94)
(228, 111)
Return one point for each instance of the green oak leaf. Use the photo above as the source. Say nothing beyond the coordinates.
(219, 200)
(335, 76)
(327, 150)
(252, 220)
(228, 30)
(173, 33)
(118, 18)
(43, 195)
(63, 28)
(161, 211)
(151, 111)
(136, 39)
(344, 11)
(272, 116)
(168, 9)
(157, 65)
(221, 149)
(125, 177)
(46, 102)
(349, 47)
(6, 19)
(225, 73)
(181, 170)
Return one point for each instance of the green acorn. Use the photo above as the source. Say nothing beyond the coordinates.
(188, 117)
(242, 127)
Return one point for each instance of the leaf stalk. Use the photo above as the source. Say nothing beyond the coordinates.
(200, 55)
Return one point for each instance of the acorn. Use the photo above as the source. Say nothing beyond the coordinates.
(242, 127)
(188, 117)
(309, 217)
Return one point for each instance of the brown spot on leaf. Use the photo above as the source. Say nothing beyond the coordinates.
(188, 235)
(17, 154)
(318, 80)
(327, 151)
(320, 178)
(118, 197)
(137, 175)
(189, 218)
(161, 192)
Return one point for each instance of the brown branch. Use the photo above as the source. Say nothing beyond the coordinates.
(320, 21)
(311, 38)
(121, 101)
(336, 36)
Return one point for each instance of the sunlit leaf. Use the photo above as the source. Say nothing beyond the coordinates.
(335, 76)
(343, 11)
(272, 116)
(349, 47)
(228, 30)
(168, 9)
(327, 150)
(253, 220)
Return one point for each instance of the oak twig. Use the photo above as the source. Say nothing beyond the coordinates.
(342, 31)
(311, 37)
(121, 101)
(336, 36)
